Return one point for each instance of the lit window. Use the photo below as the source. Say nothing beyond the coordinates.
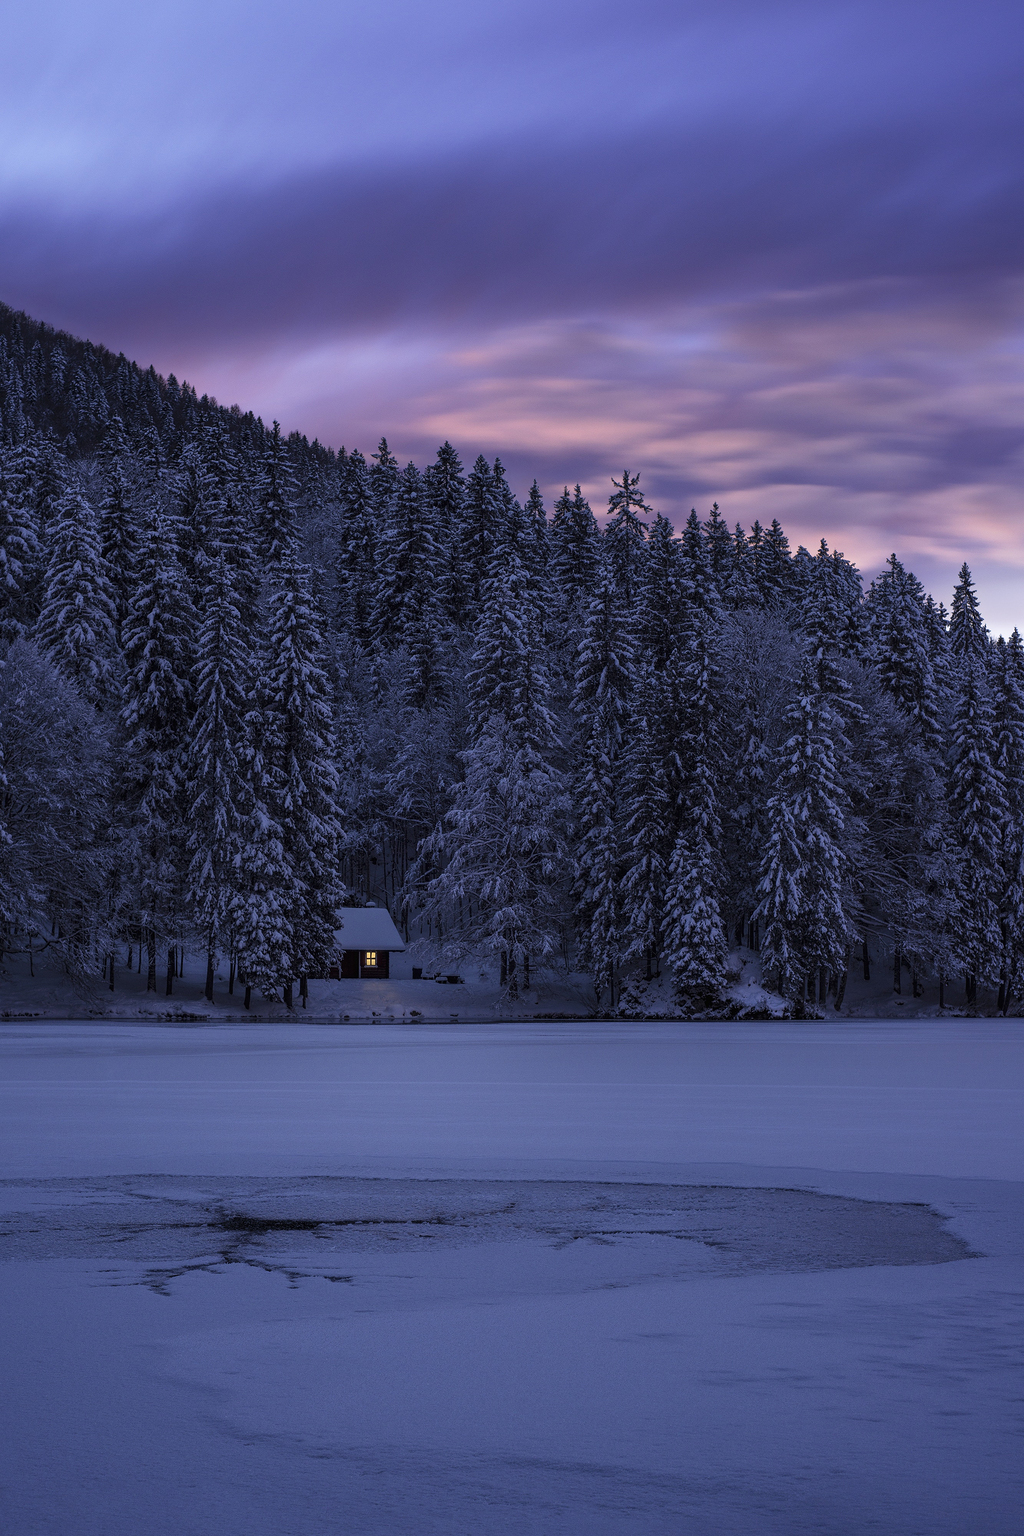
(370, 957)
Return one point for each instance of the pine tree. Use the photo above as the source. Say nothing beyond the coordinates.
(483, 512)
(574, 551)
(694, 932)
(154, 721)
(384, 476)
(77, 618)
(978, 811)
(601, 703)
(1008, 682)
(720, 549)
(278, 494)
(645, 845)
(407, 564)
(900, 648)
(214, 757)
(19, 551)
(968, 637)
(357, 544)
(625, 534)
(298, 718)
(804, 867)
(659, 599)
(501, 850)
(445, 486)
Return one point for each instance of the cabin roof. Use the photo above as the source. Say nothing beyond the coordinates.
(367, 928)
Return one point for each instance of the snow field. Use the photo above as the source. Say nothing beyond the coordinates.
(583, 1281)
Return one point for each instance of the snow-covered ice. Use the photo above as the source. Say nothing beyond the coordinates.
(532, 1278)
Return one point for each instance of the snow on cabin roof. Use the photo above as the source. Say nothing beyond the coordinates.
(367, 928)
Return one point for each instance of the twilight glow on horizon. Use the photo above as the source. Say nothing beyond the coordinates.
(767, 254)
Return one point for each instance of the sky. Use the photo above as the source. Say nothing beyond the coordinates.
(768, 254)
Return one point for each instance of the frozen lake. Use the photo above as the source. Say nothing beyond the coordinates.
(286, 1280)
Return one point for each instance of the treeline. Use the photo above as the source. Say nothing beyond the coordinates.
(247, 679)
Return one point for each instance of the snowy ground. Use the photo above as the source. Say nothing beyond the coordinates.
(47, 994)
(526, 1278)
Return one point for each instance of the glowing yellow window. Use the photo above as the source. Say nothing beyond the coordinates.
(370, 957)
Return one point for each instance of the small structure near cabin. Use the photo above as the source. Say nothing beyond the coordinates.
(365, 943)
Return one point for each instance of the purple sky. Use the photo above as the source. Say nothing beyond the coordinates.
(767, 253)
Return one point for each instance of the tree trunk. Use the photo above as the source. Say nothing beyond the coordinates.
(897, 970)
(823, 981)
(151, 960)
(303, 989)
(288, 994)
(248, 994)
(840, 991)
(915, 985)
(867, 962)
(209, 975)
(111, 970)
(231, 978)
(504, 967)
(170, 971)
(526, 972)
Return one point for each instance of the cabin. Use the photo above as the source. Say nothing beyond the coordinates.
(365, 943)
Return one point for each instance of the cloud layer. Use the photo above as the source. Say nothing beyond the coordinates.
(771, 259)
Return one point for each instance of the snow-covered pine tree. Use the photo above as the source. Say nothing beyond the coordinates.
(501, 850)
(384, 473)
(646, 847)
(356, 550)
(408, 564)
(805, 927)
(694, 932)
(774, 565)
(445, 486)
(158, 635)
(214, 759)
(601, 702)
(659, 598)
(625, 535)
(575, 552)
(535, 522)
(118, 519)
(483, 512)
(740, 586)
(1008, 686)
(76, 621)
(900, 649)
(277, 500)
(978, 811)
(298, 717)
(720, 549)
(968, 638)
(19, 550)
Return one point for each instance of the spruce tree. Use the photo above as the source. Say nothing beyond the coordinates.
(76, 625)
(694, 931)
(356, 550)
(968, 637)
(277, 498)
(214, 759)
(601, 703)
(804, 867)
(19, 551)
(408, 565)
(574, 551)
(296, 699)
(158, 653)
(978, 813)
(625, 534)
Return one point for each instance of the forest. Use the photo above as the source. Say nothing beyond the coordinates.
(247, 680)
